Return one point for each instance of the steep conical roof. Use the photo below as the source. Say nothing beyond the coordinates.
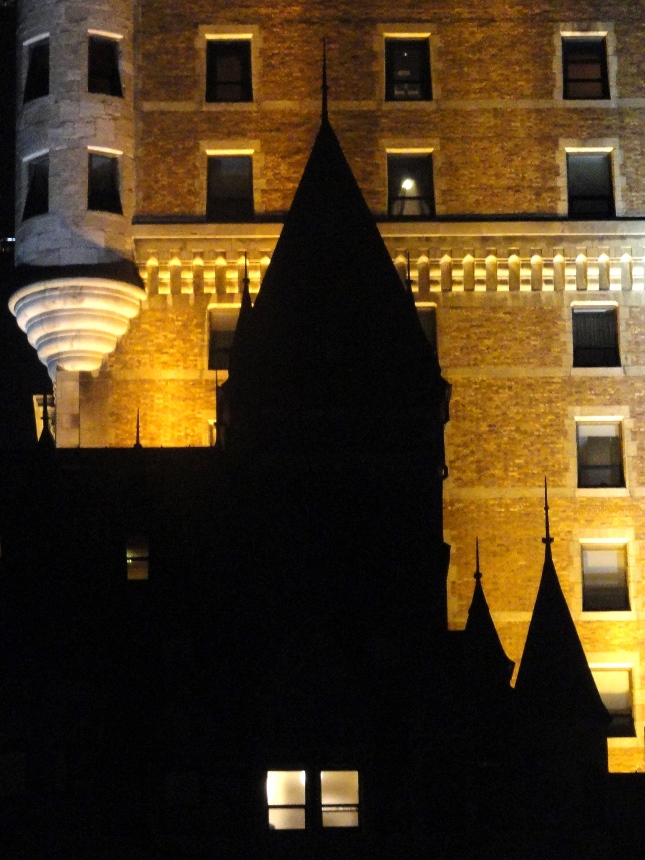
(487, 665)
(332, 329)
(554, 677)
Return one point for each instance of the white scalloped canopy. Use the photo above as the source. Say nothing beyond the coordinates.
(73, 323)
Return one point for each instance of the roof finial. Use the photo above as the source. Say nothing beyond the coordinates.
(246, 294)
(548, 539)
(478, 574)
(408, 278)
(325, 115)
(137, 443)
(46, 436)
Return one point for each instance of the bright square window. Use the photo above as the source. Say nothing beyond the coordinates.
(600, 454)
(604, 578)
(286, 799)
(410, 185)
(339, 798)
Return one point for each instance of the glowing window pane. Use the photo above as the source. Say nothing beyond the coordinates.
(339, 797)
(137, 555)
(286, 799)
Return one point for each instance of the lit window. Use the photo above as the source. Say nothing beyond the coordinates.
(584, 68)
(615, 688)
(37, 80)
(604, 578)
(590, 187)
(103, 183)
(229, 194)
(410, 186)
(286, 799)
(222, 330)
(600, 454)
(339, 798)
(595, 337)
(103, 74)
(137, 557)
(37, 197)
(228, 70)
(407, 70)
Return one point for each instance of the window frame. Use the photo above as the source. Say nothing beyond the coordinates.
(590, 602)
(30, 162)
(246, 69)
(568, 43)
(429, 199)
(29, 46)
(115, 40)
(580, 152)
(312, 807)
(623, 723)
(610, 352)
(621, 482)
(222, 217)
(115, 156)
(391, 42)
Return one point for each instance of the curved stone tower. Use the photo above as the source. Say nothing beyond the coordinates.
(77, 286)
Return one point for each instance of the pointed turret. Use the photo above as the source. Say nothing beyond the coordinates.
(487, 666)
(333, 351)
(554, 677)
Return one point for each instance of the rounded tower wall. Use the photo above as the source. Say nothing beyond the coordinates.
(69, 124)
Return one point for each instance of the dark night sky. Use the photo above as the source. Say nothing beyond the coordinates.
(21, 374)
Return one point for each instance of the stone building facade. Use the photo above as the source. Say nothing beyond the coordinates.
(525, 125)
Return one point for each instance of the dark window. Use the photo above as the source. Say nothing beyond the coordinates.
(37, 80)
(229, 194)
(600, 454)
(103, 66)
(589, 185)
(584, 68)
(410, 186)
(595, 337)
(604, 578)
(615, 688)
(428, 320)
(103, 183)
(228, 70)
(407, 70)
(219, 348)
(37, 197)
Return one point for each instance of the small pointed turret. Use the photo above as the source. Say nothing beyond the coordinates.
(554, 677)
(487, 665)
(137, 441)
(46, 439)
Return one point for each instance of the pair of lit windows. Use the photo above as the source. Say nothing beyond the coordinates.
(103, 194)
(615, 688)
(298, 799)
(103, 74)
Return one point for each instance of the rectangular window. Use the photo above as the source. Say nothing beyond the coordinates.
(615, 688)
(37, 80)
(37, 197)
(229, 194)
(604, 578)
(407, 70)
(590, 187)
(410, 186)
(103, 183)
(103, 74)
(600, 454)
(137, 557)
(339, 798)
(595, 337)
(228, 70)
(286, 799)
(584, 67)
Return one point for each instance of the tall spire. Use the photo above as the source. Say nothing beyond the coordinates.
(325, 88)
(137, 441)
(547, 539)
